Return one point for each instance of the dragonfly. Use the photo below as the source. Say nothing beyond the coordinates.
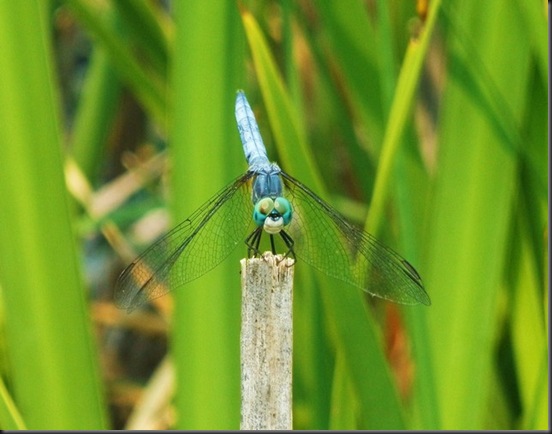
(266, 206)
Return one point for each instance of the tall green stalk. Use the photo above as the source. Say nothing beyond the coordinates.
(206, 155)
(49, 341)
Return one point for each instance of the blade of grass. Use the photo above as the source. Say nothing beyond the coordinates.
(151, 30)
(206, 156)
(470, 215)
(336, 110)
(10, 417)
(411, 188)
(535, 16)
(411, 192)
(343, 411)
(528, 327)
(95, 113)
(148, 88)
(386, 55)
(472, 73)
(55, 376)
(400, 110)
(348, 30)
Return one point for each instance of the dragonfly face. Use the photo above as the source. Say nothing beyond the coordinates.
(272, 215)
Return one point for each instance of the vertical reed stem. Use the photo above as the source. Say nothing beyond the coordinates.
(266, 343)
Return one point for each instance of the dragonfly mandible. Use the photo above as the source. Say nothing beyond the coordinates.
(265, 203)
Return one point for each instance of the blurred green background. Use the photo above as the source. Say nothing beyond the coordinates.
(424, 122)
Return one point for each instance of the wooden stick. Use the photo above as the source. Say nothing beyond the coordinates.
(266, 343)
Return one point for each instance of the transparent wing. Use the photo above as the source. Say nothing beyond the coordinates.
(192, 248)
(323, 239)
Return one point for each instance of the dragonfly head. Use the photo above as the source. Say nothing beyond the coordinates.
(272, 214)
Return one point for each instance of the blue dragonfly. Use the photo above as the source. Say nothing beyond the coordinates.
(267, 202)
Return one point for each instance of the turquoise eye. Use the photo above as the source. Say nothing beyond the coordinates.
(262, 209)
(283, 207)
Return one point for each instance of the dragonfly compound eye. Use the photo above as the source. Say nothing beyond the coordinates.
(262, 209)
(282, 205)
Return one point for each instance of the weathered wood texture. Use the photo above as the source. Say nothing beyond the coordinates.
(266, 343)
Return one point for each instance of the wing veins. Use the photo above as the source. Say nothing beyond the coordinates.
(367, 246)
(125, 293)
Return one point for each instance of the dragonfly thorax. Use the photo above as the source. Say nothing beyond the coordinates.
(267, 183)
(271, 214)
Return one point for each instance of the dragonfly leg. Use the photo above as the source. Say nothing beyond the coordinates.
(272, 246)
(288, 241)
(253, 241)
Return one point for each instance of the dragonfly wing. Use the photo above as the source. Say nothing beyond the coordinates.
(323, 239)
(192, 248)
